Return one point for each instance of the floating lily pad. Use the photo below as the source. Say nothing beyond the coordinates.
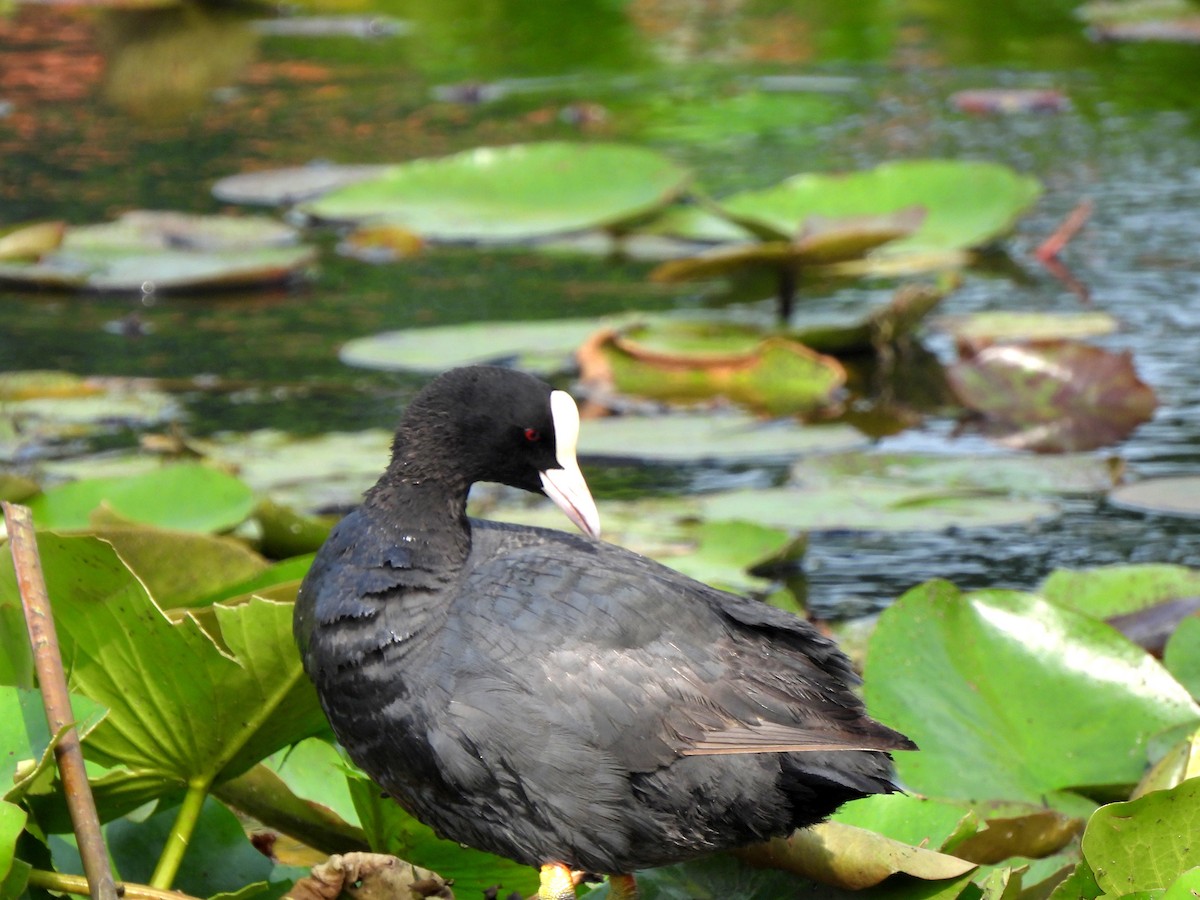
(281, 187)
(1178, 496)
(978, 329)
(1055, 395)
(1173, 21)
(1012, 697)
(860, 505)
(875, 327)
(777, 376)
(545, 348)
(1020, 475)
(188, 497)
(513, 193)
(968, 204)
(146, 251)
(307, 474)
(820, 241)
(695, 438)
(691, 222)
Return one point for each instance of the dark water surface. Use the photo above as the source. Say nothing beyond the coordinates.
(105, 111)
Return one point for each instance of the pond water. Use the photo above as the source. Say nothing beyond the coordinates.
(103, 111)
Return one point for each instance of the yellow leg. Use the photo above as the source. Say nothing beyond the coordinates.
(622, 887)
(557, 883)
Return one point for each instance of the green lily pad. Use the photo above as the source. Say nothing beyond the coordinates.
(820, 242)
(1054, 396)
(1178, 496)
(1012, 697)
(777, 376)
(185, 705)
(918, 821)
(12, 823)
(1027, 476)
(1182, 654)
(179, 568)
(692, 222)
(1000, 326)
(545, 348)
(30, 241)
(187, 497)
(1107, 591)
(145, 229)
(968, 204)
(281, 187)
(696, 437)
(1147, 843)
(870, 506)
(307, 474)
(878, 326)
(513, 193)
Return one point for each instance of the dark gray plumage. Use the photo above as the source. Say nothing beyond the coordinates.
(553, 698)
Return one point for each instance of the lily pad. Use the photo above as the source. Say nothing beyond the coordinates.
(693, 437)
(968, 204)
(1147, 843)
(546, 348)
(1012, 697)
(879, 326)
(861, 505)
(1000, 326)
(1008, 101)
(147, 251)
(186, 496)
(820, 242)
(281, 187)
(185, 706)
(1054, 396)
(512, 193)
(777, 376)
(1177, 496)
(1074, 474)
(1107, 591)
(692, 222)
(31, 241)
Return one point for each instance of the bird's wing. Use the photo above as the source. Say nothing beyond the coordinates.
(654, 665)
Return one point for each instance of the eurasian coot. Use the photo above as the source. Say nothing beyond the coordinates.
(556, 699)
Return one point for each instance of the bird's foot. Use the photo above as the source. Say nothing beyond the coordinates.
(622, 887)
(557, 882)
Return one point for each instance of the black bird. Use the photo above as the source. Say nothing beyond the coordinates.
(552, 698)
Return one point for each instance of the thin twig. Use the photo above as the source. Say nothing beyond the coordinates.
(77, 884)
(53, 681)
(1053, 245)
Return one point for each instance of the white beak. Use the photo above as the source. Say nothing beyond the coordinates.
(566, 485)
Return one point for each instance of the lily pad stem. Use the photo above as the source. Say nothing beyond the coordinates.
(180, 835)
(47, 658)
(788, 279)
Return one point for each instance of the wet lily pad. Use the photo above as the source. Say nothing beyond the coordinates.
(1000, 326)
(512, 193)
(146, 251)
(698, 437)
(967, 204)
(282, 187)
(545, 348)
(1073, 474)
(861, 505)
(1177, 496)
(1054, 396)
(776, 376)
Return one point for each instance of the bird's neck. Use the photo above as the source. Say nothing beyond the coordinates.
(426, 514)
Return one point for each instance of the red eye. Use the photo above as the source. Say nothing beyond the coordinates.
(532, 435)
